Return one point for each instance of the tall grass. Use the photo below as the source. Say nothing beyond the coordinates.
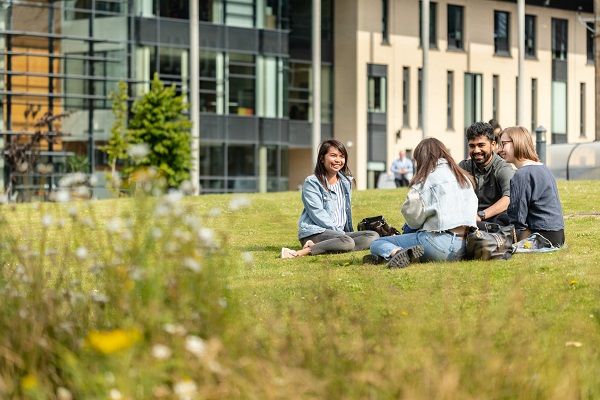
(168, 297)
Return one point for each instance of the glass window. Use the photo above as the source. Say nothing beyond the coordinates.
(326, 94)
(241, 84)
(455, 27)
(530, 33)
(534, 95)
(377, 94)
(582, 109)
(559, 107)
(385, 31)
(179, 9)
(212, 159)
(208, 81)
(590, 41)
(501, 32)
(450, 101)
(211, 11)
(406, 97)
(241, 160)
(495, 96)
(274, 15)
(419, 94)
(560, 39)
(432, 25)
(239, 13)
(299, 91)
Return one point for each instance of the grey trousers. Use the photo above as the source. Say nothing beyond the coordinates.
(339, 242)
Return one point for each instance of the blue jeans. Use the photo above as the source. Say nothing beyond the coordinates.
(438, 246)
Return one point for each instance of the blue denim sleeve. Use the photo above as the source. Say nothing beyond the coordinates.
(314, 205)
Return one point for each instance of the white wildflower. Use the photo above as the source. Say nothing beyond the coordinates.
(113, 225)
(247, 257)
(206, 235)
(72, 211)
(172, 247)
(192, 264)
(63, 394)
(3, 198)
(187, 187)
(195, 345)
(99, 297)
(214, 212)
(192, 221)
(114, 394)
(174, 329)
(78, 178)
(161, 352)
(87, 221)
(185, 390)
(83, 192)
(93, 181)
(62, 196)
(161, 210)
(222, 302)
(173, 197)
(137, 274)
(81, 253)
(138, 151)
(47, 220)
(239, 202)
(156, 233)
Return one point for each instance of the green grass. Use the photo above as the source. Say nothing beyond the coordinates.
(312, 327)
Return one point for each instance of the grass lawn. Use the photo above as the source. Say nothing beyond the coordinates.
(312, 327)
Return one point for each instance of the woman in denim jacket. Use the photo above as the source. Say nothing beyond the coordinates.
(441, 206)
(325, 225)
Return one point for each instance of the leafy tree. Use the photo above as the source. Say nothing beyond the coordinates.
(118, 142)
(158, 122)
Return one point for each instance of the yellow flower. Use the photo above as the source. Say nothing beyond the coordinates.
(108, 342)
(29, 382)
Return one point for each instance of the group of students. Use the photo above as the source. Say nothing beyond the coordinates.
(503, 181)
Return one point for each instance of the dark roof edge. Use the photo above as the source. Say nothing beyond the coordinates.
(586, 6)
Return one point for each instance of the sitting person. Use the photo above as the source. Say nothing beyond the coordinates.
(325, 225)
(441, 206)
(492, 174)
(535, 206)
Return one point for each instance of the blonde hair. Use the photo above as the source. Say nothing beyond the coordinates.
(522, 143)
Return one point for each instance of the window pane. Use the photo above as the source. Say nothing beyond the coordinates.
(377, 94)
(530, 31)
(455, 27)
(212, 160)
(501, 29)
(559, 39)
(559, 107)
(240, 160)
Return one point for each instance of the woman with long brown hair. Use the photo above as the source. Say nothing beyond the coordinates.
(325, 225)
(441, 205)
(534, 203)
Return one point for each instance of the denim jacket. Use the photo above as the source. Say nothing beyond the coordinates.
(440, 203)
(318, 207)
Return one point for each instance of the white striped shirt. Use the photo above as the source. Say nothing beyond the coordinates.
(339, 209)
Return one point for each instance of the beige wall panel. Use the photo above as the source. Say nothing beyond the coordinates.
(300, 167)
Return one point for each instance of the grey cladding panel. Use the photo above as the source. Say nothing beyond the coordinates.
(242, 39)
(244, 129)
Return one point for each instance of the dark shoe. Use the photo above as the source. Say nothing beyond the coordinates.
(373, 259)
(406, 256)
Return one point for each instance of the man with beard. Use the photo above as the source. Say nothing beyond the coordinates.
(492, 174)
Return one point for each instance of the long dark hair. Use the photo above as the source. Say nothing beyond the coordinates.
(320, 171)
(426, 155)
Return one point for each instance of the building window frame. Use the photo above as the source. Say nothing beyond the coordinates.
(450, 100)
(433, 42)
(530, 36)
(385, 21)
(501, 33)
(582, 106)
(406, 97)
(534, 103)
(455, 27)
(495, 96)
(590, 45)
(560, 39)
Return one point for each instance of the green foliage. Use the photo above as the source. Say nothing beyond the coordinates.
(158, 121)
(118, 142)
(157, 274)
(78, 163)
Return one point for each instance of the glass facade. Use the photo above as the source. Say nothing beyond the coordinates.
(255, 78)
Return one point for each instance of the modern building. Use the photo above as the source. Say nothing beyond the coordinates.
(256, 80)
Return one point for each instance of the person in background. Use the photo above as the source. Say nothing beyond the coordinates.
(441, 206)
(535, 205)
(402, 168)
(497, 132)
(325, 225)
(491, 173)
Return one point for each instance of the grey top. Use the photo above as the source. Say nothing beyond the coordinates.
(534, 201)
(493, 181)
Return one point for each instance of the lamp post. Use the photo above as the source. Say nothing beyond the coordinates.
(540, 143)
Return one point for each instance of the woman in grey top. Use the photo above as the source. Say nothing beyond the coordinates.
(325, 225)
(534, 203)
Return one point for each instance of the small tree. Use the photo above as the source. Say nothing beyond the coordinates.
(118, 142)
(158, 121)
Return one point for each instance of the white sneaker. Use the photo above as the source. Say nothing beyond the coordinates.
(288, 253)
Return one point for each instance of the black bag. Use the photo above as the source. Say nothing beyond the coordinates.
(494, 243)
(377, 224)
